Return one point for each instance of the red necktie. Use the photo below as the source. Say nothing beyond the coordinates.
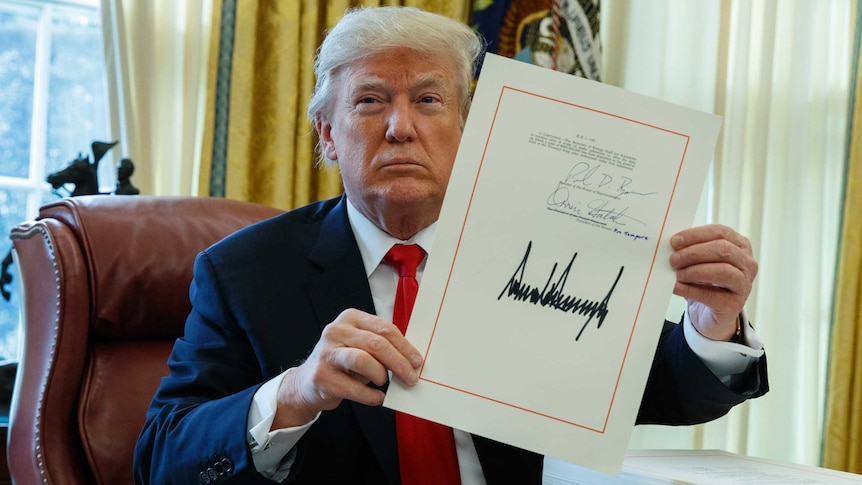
(426, 450)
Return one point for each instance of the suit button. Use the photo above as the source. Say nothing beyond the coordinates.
(219, 468)
(227, 464)
(212, 474)
(205, 479)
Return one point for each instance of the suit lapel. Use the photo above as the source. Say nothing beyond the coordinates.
(341, 283)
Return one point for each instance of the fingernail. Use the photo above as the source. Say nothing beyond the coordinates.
(676, 241)
(416, 360)
(413, 378)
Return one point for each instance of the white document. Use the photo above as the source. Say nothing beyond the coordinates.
(546, 289)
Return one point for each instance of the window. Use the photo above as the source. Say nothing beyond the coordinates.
(53, 104)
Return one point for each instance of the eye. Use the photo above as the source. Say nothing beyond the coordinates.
(367, 104)
(428, 99)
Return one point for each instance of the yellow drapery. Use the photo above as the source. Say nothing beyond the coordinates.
(842, 443)
(257, 144)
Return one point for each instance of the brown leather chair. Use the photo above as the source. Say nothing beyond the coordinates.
(105, 283)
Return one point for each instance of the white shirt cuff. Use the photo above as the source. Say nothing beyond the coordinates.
(272, 451)
(724, 359)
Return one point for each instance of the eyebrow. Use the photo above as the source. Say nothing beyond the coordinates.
(424, 81)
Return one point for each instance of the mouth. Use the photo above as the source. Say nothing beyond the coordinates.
(401, 163)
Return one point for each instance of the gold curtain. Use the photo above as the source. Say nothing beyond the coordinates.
(842, 443)
(257, 144)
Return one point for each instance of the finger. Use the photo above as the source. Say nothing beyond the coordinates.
(716, 275)
(359, 365)
(387, 351)
(705, 294)
(388, 330)
(716, 251)
(381, 341)
(709, 232)
(330, 382)
(713, 251)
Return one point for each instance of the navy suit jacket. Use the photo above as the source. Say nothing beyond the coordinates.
(261, 298)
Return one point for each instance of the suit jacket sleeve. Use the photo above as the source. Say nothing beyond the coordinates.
(681, 390)
(197, 421)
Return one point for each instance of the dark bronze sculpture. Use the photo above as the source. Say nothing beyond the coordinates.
(125, 169)
(84, 174)
(81, 173)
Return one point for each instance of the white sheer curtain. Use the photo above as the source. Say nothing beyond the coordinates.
(779, 73)
(157, 63)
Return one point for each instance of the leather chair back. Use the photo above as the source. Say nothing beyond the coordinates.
(105, 283)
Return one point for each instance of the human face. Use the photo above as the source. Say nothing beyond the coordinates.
(394, 129)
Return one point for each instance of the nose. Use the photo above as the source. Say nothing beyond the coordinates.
(400, 123)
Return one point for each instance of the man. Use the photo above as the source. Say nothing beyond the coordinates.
(286, 354)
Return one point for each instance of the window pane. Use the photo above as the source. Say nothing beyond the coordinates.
(77, 101)
(13, 206)
(17, 64)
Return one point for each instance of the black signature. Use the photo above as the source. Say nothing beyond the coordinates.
(551, 295)
(613, 186)
(600, 209)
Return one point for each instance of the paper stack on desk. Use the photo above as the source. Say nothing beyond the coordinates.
(696, 467)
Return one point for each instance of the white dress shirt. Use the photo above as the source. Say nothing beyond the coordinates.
(272, 451)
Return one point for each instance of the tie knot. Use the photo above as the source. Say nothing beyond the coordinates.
(405, 258)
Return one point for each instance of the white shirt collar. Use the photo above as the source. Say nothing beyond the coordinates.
(374, 243)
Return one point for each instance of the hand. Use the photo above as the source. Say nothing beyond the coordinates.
(355, 349)
(715, 270)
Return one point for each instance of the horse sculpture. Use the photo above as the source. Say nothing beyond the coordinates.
(81, 172)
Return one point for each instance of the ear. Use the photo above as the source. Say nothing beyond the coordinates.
(324, 131)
